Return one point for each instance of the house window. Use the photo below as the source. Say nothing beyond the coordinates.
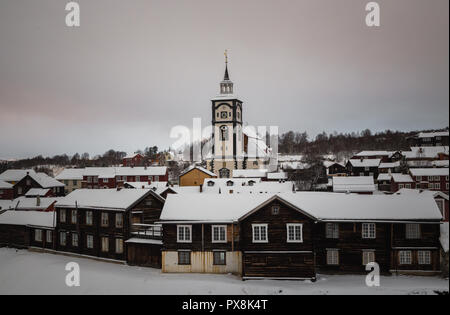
(275, 210)
(332, 230)
(62, 238)
(105, 244)
(38, 235)
(184, 257)
(74, 239)
(184, 233)
(408, 186)
(105, 219)
(368, 257)
(424, 257)
(405, 257)
(74, 216)
(295, 233)
(369, 230)
(412, 231)
(260, 233)
(89, 217)
(90, 241)
(62, 215)
(332, 257)
(119, 220)
(119, 246)
(219, 233)
(219, 258)
(437, 186)
(48, 237)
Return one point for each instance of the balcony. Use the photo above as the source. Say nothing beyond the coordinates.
(147, 231)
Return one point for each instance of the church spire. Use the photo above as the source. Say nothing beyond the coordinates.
(226, 86)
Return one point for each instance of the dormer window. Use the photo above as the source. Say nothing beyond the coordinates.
(210, 183)
(230, 183)
(251, 183)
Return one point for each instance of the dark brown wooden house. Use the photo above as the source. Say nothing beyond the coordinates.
(102, 222)
(296, 235)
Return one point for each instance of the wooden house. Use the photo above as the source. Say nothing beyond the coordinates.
(423, 139)
(436, 179)
(296, 235)
(6, 191)
(195, 176)
(99, 222)
(363, 167)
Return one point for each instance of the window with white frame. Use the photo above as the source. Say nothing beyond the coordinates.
(74, 239)
(412, 231)
(405, 257)
(332, 257)
(424, 257)
(437, 186)
(368, 256)
(90, 241)
(119, 246)
(260, 233)
(369, 230)
(294, 233)
(119, 220)
(184, 233)
(48, 237)
(62, 215)
(105, 244)
(219, 233)
(74, 216)
(105, 219)
(89, 219)
(332, 230)
(62, 238)
(38, 235)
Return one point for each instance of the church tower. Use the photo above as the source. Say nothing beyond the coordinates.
(227, 137)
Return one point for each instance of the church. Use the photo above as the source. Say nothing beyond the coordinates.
(233, 145)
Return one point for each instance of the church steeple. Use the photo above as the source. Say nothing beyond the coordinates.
(226, 86)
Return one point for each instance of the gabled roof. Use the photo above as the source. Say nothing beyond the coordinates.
(426, 152)
(111, 199)
(317, 205)
(375, 153)
(434, 194)
(26, 203)
(277, 175)
(429, 171)
(6, 204)
(202, 169)
(389, 165)
(365, 162)
(15, 175)
(250, 173)
(402, 178)
(71, 174)
(46, 181)
(384, 177)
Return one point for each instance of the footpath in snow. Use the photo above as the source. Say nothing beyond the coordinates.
(24, 272)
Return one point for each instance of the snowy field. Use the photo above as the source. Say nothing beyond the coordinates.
(24, 272)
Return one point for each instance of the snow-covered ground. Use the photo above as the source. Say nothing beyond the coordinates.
(24, 272)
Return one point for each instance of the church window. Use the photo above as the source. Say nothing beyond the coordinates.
(224, 133)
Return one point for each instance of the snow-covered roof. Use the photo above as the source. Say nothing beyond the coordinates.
(184, 189)
(402, 178)
(112, 199)
(433, 134)
(15, 175)
(34, 192)
(434, 194)
(375, 153)
(143, 241)
(319, 205)
(71, 174)
(202, 169)
(384, 177)
(132, 155)
(277, 175)
(353, 184)
(31, 218)
(425, 152)
(146, 185)
(365, 162)
(5, 185)
(250, 173)
(111, 172)
(6, 204)
(440, 163)
(27, 203)
(241, 185)
(429, 171)
(328, 164)
(389, 165)
(46, 181)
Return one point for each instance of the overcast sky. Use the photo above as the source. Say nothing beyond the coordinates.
(136, 68)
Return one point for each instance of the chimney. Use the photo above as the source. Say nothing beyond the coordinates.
(201, 188)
